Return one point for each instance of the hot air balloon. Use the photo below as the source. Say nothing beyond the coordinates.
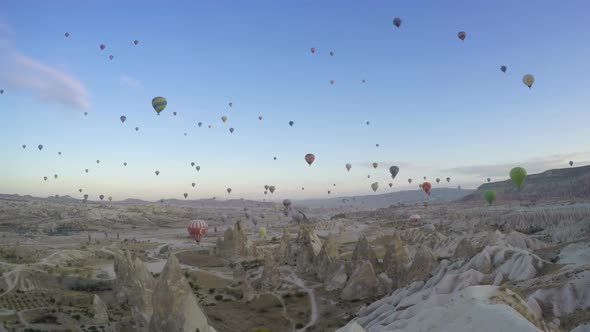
(123, 118)
(571, 163)
(224, 118)
(198, 168)
(348, 167)
(85, 113)
(368, 176)
(437, 180)
(448, 179)
(329, 192)
(377, 145)
(159, 104)
(262, 232)
(193, 184)
(98, 161)
(312, 50)
(157, 173)
(266, 187)
(291, 123)
(24, 146)
(517, 175)
(424, 178)
(309, 158)
(135, 42)
(199, 124)
(101, 197)
(271, 189)
(420, 186)
(174, 113)
(409, 180)
(426, 186)
(302, 188)
(287, 203)
(231, 130)
(229, 190)
(67, 34)
(136, 128)
(393, 170)
(55, 176)
(80, 190)
(260, 117)
(368, 123)
(86, 170)
(331, 53)
(40, 147)
(197, 229)
(85, 197)
(503, 69)
(185, 195)
(397, 22)
(45, 178)
(528, 80)
(110, 198)
(209, 126)
(375, 186)
(111, 57)
(125, 164)
(363, 81)
(490, 196)
(230, 104)
(390, 184)
(265, 192)
(193, 164)
(102, 47)
(275, 158)
(375, 165)
(489, 180)
(461, 35)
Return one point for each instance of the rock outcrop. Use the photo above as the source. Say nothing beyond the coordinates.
(336, 275)
(326, 256)
(177, 309)
(362, 284)
(271, 277)
(363, 253)
(395, 261)
(422, 265)
(135, 287)
(99, 309)
(283, 247)
(464, 249)
(234, 243)
(303, 251)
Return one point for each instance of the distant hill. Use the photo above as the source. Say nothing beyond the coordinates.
(556, 184)
(386, 200)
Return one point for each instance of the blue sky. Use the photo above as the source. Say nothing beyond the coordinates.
(437, 106)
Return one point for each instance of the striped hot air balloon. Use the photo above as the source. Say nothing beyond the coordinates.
(197, 229)
(159, 104)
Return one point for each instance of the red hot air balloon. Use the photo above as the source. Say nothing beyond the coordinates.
(426, 186)
(461, 35)
(309, 158)
(197, 229)
(313, 50)
(102, 47)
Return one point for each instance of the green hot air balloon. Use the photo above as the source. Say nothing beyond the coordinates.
(159, 104)
(490, 196)
(517, 175)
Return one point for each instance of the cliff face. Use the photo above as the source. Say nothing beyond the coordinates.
(555, 184)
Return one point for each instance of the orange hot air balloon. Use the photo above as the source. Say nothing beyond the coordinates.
(426, 186)
(309, 158)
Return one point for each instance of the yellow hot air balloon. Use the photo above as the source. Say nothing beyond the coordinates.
(262, 231)
(528, 80)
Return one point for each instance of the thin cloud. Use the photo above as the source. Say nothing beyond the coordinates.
(128, 81)
(48, 84)
(535, 165)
